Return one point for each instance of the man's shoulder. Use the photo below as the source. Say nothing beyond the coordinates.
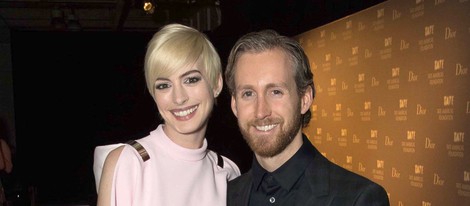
(339, 175)
(344, 183)
(241, 181)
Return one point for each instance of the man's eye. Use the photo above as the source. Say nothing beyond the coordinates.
(247, 94)
(277, 92)
(192, 80)
(162, 86)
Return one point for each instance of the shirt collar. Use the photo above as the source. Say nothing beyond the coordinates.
(288, 174)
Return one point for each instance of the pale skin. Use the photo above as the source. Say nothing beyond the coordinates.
(265, 88)
(184, 100)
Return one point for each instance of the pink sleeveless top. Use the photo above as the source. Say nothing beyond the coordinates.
(173, 175)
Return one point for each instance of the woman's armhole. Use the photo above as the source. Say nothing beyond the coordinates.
(107, 176)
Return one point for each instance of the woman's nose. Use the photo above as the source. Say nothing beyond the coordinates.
(180, 95)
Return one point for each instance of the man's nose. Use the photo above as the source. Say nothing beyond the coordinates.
(263, 108)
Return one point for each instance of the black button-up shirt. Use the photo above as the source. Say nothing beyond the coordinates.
(285, 185)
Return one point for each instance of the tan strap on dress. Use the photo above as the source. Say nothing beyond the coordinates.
(140, 149)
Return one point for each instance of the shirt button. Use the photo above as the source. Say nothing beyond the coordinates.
(272, 200)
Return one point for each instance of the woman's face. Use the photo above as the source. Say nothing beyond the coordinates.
(185, 100)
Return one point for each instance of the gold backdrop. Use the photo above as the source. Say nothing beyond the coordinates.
(393, 98)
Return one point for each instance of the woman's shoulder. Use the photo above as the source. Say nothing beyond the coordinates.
(225, 164)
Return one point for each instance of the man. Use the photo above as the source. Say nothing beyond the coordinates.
(272, 89)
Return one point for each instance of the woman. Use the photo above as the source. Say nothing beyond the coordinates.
(174, 167)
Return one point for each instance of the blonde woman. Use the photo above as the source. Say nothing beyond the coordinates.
(172, 165)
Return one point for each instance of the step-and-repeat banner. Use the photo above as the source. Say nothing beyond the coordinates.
(393, 98)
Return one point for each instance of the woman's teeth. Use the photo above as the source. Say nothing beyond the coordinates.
(185, 112)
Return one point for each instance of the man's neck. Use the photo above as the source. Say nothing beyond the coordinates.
(272, 163)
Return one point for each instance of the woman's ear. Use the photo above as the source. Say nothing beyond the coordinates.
(219, 86)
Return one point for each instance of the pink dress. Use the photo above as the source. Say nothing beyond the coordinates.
(172, 176)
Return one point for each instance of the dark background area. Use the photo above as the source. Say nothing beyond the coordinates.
(76, 90)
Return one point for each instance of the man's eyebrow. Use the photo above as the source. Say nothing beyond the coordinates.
(270, 85)
(281, 84)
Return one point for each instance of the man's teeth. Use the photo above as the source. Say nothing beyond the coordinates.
(186, 112)
(265, 127)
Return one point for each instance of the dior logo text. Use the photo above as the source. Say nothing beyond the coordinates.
(420, 110)
(438, 180)
(404, 45)
(395, 14)
(450, 33)
(375, 82)
(460, 70)
(468, 107)
(381, 111)
(428, 144)
(395, 173)
(355, 139)
(344, 86)
(388, 141)
(361, 167)
(388, 41)
(412, 77)
(367, 53)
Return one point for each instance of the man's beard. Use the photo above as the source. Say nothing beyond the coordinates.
(270, 146)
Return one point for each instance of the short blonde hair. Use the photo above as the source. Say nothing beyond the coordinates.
(175, 46)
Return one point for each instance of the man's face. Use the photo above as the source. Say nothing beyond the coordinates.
(266, 102)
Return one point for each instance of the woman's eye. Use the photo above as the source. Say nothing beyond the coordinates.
(162, 86)
(192, 80)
